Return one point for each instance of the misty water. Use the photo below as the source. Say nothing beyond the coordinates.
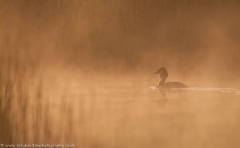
(81, 72)
(65, 107)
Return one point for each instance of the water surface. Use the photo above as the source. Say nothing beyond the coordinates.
(123, 112)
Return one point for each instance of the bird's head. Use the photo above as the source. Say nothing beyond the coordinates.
(163, 72)
(160, 70)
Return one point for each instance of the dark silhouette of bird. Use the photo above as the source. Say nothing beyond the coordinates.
(163, 76)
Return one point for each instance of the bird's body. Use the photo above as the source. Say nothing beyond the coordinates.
(174, 85)
(163, 85)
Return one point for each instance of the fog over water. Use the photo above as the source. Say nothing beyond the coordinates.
(125, 35)
(89, 65)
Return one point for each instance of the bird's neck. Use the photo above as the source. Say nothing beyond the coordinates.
(162, 82)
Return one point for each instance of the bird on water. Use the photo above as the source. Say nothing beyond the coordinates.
(163, 76)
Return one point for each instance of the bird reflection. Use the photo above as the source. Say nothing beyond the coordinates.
(163, 94)
(162, 101)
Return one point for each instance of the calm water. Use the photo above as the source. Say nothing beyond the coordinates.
(125, 113)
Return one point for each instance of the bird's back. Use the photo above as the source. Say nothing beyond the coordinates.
(174, 85)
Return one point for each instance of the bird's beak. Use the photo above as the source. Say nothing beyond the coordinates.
(156, 72)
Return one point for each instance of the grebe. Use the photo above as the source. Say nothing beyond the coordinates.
(163, 75)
